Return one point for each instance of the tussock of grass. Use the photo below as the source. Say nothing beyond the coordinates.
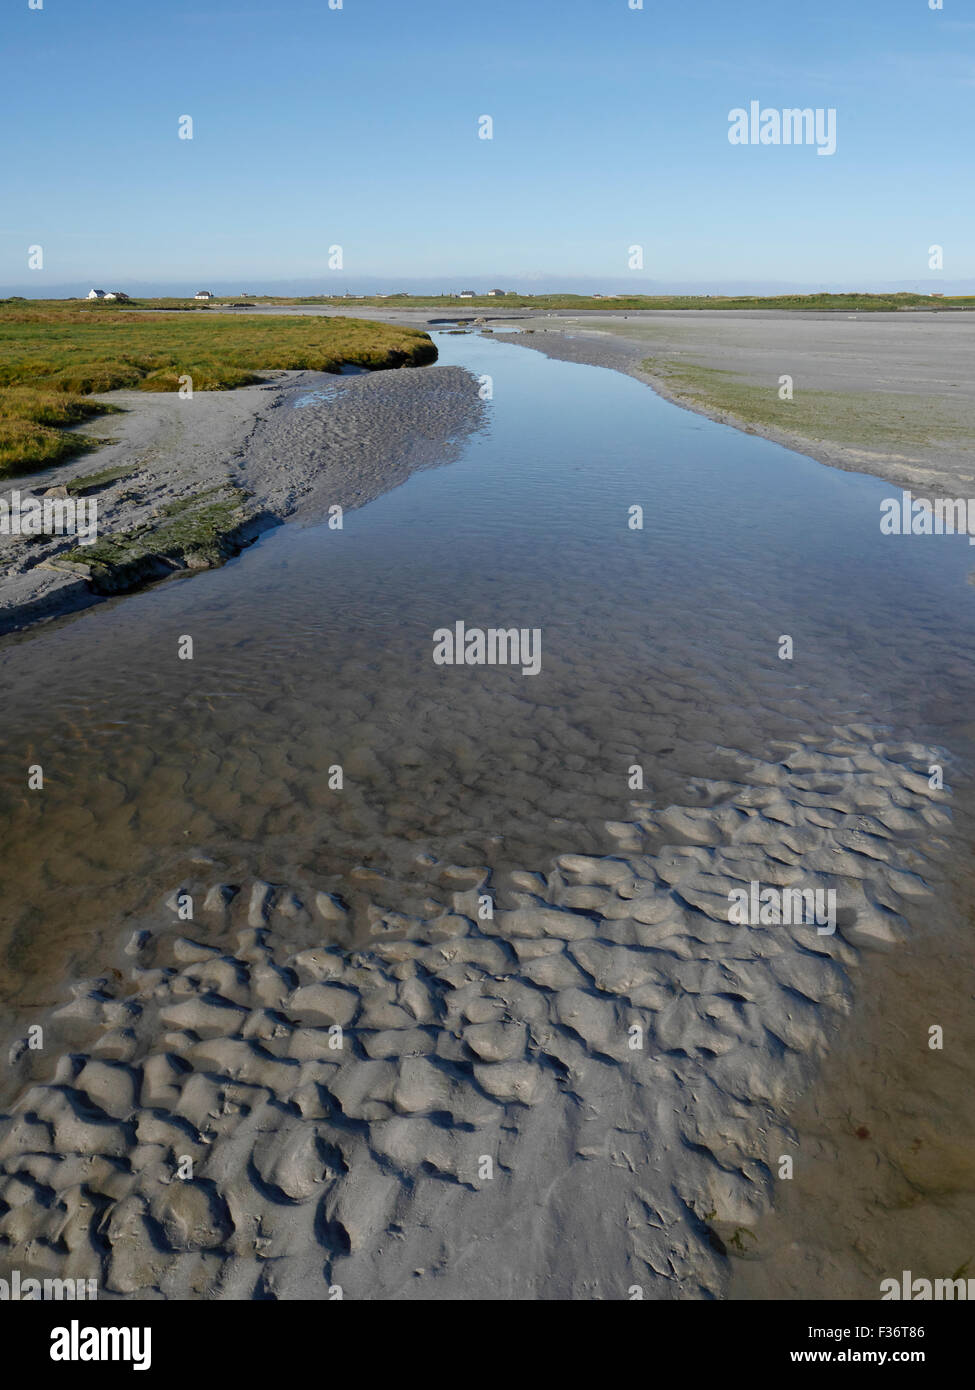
(90, 378)
(209, 376)
(48, 407)
(50, 349)
(25, 446)
(31, 427)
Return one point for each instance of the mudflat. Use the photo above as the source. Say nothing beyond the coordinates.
(881, 393)
(185, 484)
(884, 393)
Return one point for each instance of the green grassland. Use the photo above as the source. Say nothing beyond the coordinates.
(815, 303)
(55, 355)
(840, 303)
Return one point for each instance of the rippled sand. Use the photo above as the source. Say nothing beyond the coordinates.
(485, 1128)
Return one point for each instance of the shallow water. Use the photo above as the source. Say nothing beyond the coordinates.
(659, 647)
(312, 652)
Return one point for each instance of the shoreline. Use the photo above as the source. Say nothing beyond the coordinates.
(881, 1138)
(507, 1037)
(901, 371)
(939, 471)
(191, 483)
(154, 451)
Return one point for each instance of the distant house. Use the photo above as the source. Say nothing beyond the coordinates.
(937, 294)
(203, 294)
(494, 294)
(466, 294)
(117, 294)
(96, 294)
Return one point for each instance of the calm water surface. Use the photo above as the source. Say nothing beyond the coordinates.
(314, 649)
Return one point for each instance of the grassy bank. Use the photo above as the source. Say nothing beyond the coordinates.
(55, 355)
(861, 419)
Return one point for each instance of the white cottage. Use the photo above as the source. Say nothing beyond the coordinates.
(203, 294)
(96, 294)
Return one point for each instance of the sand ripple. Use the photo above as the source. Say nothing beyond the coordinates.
(435, 1103)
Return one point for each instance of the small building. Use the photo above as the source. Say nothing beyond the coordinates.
(466, 294)
(203, 294)
(96, 294)
(117, 294)
(496, 294)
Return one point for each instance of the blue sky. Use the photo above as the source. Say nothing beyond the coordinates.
(358, 127)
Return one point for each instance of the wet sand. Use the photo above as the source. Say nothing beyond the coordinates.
(463, 1038)
(884, 1142)
(909, 373)
(358, 436)
(887, 394)
(380, 1090)
(884, 1149)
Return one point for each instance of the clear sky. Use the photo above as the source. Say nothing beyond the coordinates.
(358, 127)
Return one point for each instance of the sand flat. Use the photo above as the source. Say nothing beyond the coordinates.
(464, 1039)
(888, 394)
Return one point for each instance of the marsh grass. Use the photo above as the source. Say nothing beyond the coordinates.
(885, 421)
(55, 355)
(845, 303)
(26, 446)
